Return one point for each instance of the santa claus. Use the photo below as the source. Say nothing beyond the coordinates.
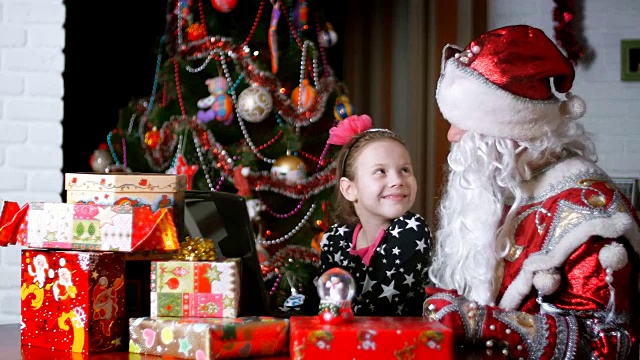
(39, 270)
(537, 250)
(63, 287)
(105, 303)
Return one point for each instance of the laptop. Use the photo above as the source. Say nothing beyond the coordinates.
(224, 218)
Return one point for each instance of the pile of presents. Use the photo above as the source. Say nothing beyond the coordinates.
(112, 268)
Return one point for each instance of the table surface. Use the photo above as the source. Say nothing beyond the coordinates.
(10, 349)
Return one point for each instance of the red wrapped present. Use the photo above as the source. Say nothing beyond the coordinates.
(370, 338)
(198, 338)
(100, 227)
(207, 289)
(13, 223)
(73, 301)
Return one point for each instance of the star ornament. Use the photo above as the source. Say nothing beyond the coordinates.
(182, 167)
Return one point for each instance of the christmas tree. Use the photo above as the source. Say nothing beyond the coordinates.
(242, 101)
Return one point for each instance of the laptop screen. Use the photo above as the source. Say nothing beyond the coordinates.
(224, 218)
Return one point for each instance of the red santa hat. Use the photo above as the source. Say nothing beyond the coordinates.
(500, 84)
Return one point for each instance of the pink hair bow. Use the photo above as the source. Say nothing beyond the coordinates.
(347, 128)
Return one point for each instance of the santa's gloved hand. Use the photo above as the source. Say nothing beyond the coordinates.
(453, 311)
(479, 324)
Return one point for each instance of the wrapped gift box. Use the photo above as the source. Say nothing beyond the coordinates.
(206, 289)
(100, 227)
(72, 300)
(197, 338)
(370, 338)
(136, 189)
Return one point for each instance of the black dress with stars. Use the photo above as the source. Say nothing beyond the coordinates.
(393, 283)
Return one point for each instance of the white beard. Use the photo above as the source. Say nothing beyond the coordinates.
(468, 245)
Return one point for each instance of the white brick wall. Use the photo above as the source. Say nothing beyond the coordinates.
(613, 106)
(31, 110)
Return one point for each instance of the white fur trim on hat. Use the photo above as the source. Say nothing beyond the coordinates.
(546, 281)
(613, 256)
(471, 102)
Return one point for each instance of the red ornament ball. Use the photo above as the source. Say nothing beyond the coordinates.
(224, 6)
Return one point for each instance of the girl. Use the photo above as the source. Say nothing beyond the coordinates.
(385, 247)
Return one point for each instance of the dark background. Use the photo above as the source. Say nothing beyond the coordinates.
(110, 57)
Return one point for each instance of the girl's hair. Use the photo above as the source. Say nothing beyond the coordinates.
(343, 209)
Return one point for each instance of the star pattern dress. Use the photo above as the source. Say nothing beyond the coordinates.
(393, 283)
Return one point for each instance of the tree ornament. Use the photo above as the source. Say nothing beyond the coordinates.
(100, 159)
(263, 254)
(217, 85)
(273, 36)
(152, 138)
(241, 182)
(224, 6)
(301, 14)
(223, 108)
(328, 37)
(343, 108)
(218, 105)
(302, 99)
(196, 32)
(254, 104)
(289, 168)
(183, 168)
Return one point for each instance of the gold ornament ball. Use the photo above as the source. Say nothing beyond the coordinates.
(254, 104)
(289, 168)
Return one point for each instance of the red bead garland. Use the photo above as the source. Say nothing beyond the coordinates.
(255, 24)
(270, 142)
(178, 87)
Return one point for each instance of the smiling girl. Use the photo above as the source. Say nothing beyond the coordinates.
(385, 247)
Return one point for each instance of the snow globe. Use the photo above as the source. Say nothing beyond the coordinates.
(336, 288)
